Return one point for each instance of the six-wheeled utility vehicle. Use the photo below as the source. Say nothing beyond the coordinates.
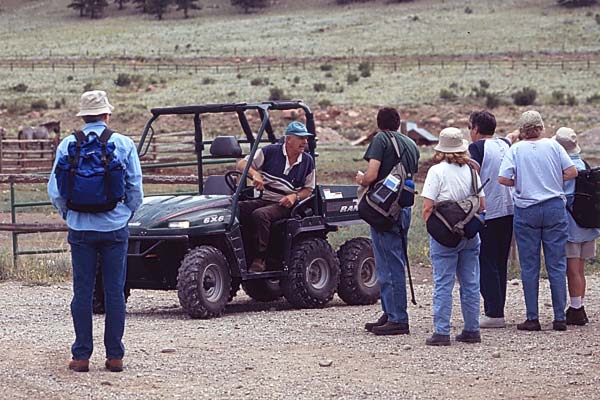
(194, 243)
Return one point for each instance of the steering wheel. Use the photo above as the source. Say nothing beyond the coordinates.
(232, 181)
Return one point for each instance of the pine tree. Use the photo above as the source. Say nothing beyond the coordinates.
(78, 5)
(187, 5)
(141, 5)
(248, 5)
(120, 3)
(157, 7)
(95, 8)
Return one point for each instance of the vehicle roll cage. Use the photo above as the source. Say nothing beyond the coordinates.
(240, 109)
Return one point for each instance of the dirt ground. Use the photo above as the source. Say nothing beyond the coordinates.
(269, 351)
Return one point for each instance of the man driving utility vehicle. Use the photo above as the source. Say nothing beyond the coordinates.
(287, 175)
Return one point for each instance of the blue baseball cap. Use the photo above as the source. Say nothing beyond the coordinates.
(297, 129)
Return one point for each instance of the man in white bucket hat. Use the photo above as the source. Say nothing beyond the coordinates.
(98, 238)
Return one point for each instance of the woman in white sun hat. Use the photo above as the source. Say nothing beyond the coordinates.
(581, 242)
(451, 179)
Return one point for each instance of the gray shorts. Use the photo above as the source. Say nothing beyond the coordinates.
(583, 250)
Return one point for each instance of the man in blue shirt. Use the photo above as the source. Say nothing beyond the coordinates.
(99, 239)
(287, 175)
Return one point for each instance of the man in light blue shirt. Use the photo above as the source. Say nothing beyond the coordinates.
(99, 238)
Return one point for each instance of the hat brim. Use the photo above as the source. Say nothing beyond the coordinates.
(453, 149)
(301, 134)
(108, 109)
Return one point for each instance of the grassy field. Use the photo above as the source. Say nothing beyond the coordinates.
(311, 30)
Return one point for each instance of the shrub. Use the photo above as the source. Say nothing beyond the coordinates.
(39, 104)
(123, 80)
(524, 97)
(277, 94)
(492, 100)
(325, 103)
(351, 78)
(593, 99)
(296, 80)
(468, 10)
(18, 107)
(597, 18)
(328, 75)
(319, 87)
(448, 95)
(326, 67)
(69, 78)
(558, 98)
(365, 69)
(57, 105)
(20, 88)
(259, 81)
(88, 86)
(572, 100)
(484, 84)
(208, 81)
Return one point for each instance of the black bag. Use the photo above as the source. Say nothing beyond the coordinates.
(586, 202)
(381, 205)
(452, 220)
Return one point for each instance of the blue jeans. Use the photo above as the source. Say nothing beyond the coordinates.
(390, 263)
(110, 248)
(463, 262)
(493, 262)
(543, 224)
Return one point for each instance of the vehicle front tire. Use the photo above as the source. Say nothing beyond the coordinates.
(204, 282)
(313, 274)
(263, 289)
(358, 279)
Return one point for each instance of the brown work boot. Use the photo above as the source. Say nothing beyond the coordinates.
(114, 364)
(382, 320)
(258, 265)
(530, 325)
(79, 365)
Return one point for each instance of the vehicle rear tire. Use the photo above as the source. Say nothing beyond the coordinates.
(204, 282)
(313, 274)
(98, 296)
(358, 278)
(263, 289)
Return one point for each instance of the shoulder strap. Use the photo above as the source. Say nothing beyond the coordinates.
(105, 135)
(394, 142)
(587, 166)
(80, 138)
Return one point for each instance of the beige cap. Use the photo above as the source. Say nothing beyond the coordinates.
(94, 102)
(452, 141)
(531, 119)
(567, 139)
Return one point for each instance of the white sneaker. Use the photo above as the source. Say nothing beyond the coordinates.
(489, 322)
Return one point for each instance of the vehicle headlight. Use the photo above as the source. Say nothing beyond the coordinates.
(179, 224)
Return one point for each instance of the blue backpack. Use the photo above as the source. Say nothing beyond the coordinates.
(90, 177)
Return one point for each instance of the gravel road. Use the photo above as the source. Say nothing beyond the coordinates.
(269, 351)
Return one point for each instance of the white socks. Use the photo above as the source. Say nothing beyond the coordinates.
(576, 302)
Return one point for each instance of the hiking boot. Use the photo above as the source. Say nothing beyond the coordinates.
(391, 328)
(114, 364)
(490, 322)
(576, 316)
(559, 325)
(79, 365)
(438, 340)
(382, 320)
(530, 325)
(258, 265)
(585, 315)
(469, 337)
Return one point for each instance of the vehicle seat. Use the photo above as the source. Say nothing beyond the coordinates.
(215, 184)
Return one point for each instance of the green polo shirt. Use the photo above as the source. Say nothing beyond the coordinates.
(381, 149)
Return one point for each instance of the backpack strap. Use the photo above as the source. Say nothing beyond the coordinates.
(80, 138)
(103, 139)
(587, 166)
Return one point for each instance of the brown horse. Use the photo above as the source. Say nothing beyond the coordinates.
(40, 132)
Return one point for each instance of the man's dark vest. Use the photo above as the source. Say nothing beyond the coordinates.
(274, 165)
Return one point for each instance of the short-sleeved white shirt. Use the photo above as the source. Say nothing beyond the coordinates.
(446, 181)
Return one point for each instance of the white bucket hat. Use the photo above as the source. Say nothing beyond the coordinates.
(567, 139)
(452, 141)
(94, 102)
(531, 119)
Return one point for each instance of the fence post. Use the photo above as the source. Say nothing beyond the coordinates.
(1, 154)
(73, 66)
(13, 219)
(588, 63)
(562, 65)
(32, 66)
(52, 67)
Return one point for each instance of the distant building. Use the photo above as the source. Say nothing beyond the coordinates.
(421, 136)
